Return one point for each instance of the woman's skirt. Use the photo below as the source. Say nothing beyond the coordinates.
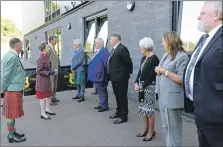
(13, 105)
(42, 95)
(80, 78)
(147, 108)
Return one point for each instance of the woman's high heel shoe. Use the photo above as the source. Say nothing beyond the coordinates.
(142, 135)
(151, 138)
(46, 118)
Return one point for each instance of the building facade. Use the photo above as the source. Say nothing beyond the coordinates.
(86, 20)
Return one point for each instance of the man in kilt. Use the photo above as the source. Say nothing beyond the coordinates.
(77, 65)
(12, 83)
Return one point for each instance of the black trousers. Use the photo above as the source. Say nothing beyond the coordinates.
(209, 134)
(120, 90)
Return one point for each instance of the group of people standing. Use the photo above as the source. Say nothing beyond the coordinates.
(195, 84)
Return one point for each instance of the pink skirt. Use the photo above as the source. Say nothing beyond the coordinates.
(42, 95)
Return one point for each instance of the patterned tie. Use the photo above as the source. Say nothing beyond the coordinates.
(192, 63)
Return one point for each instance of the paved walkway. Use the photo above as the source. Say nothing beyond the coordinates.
(78, 124)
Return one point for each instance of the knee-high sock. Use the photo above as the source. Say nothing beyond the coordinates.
(48, 105)
(11, 127)
(42, 106)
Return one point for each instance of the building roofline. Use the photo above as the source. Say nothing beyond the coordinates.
(61, 16)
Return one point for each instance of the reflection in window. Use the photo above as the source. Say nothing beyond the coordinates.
(189, 32)
(52, 9)
(90, 39)
(103, 33)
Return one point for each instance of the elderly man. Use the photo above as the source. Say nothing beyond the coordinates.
(97, 72)
(119, 69)
(203, 77)
(12, 84)
(77, 65)
(55, 65)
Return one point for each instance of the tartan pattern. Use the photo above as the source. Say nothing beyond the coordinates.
(13, 105)
(80, 78)
(42, 95)
(43, 83)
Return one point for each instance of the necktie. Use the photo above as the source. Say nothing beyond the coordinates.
(112, 51)
(192, 64)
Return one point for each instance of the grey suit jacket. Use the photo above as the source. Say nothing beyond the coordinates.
(170, 93)
(53, 58)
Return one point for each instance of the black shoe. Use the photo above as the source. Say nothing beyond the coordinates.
(50, 113)
(120, 120)
(151, 138)
(142, 135)
(114, 116)
(97, 107)
(55, 100)
(94, 93)
(16, 139)
(81, 100)
(46, 118)
(53, 103)
(19, 135)
(76, 97)
(102, 109)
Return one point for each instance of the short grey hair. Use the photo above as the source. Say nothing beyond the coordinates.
(77, 41)
(100, 40)
(14, 41)
(146, 43)
(52, 37)
(216, 6)
(117, 36)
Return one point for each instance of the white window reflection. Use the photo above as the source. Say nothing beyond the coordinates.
(90, 39)
(104, 32)
(189, 32)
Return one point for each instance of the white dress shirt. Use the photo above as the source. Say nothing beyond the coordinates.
(116, 46)
(211, 34)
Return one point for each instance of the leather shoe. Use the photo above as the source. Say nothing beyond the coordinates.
(46, 118)
(120, 120)
(50, 113)
(81, 100)
(55, 100)
(19, 135)
(114, 116)
(102, 109)
(16, 139)
(76, 97)
(97, 107)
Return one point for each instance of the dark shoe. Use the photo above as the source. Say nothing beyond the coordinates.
(142, 135)
(97, 107)
(19, 135)
(55, 100)
(81, 100)
(53, 103)
(94, 93)
(114, 116)
(151, 138)
(50, 113)
(76, 97)
(16, 139)
(120, 120)
(102, 109)
(46, 118)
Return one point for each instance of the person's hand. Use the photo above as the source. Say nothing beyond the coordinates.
(157, 70)
(51, 72)
(136, 87)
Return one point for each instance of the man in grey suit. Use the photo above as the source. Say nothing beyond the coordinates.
(55, 65)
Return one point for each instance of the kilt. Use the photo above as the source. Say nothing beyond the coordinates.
(13, 104)
(80, 78)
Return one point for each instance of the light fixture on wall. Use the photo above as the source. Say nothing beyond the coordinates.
(69, 26)
(66, 8)
(130, 5)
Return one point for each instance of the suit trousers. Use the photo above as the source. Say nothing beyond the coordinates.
(101, 88)
(120, 90)
(171, 124)
(209, 134)
(53, 79)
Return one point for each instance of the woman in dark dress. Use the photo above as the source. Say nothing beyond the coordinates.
(145, 85)
(43, 84)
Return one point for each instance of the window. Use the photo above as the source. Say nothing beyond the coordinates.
(27, 48)
(189, 32)
(52, 10)
(95, 27)
(56, 32)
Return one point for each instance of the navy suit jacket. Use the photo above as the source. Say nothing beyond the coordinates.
(208, 83)
(97, 71)
(77, 63)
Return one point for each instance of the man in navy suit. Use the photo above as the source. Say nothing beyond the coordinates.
(97, 73)
(203, 79)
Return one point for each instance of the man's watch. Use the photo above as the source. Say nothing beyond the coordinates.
(166, 73)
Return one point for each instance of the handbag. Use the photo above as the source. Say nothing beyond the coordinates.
(141, 92)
